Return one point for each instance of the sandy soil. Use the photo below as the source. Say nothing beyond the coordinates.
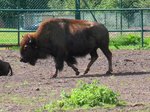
(31, 87)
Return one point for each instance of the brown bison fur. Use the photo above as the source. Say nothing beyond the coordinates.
(5, 68)
(66, 39)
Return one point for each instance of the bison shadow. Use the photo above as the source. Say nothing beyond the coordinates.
(106, 75)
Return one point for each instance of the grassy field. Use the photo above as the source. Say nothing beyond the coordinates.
(9, 37)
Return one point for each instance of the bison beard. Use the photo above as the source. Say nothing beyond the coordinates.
(66, 39)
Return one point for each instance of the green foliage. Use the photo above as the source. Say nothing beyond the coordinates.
(70, 4)
(130, 3)
(24, 4)
(147, 43)
(85, 96)
(107, 4)
(143, 4)
(128, 41)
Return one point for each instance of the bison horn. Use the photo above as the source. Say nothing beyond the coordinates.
(29, 35)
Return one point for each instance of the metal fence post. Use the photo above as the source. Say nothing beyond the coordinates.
(77, 12)
(116, 20)
(121, 16)
(105, 18)
(18, 27)
(142, 29)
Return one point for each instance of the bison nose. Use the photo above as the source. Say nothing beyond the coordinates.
(21, 60)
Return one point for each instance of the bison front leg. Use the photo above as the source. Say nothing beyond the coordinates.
(59, 64)
(94, 57)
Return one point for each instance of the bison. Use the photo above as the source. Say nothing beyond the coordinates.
(66, 39)
(5, 68)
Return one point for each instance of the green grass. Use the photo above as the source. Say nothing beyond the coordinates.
(9, 37)
(85, 96)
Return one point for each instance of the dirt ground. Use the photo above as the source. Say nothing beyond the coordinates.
(31, 87)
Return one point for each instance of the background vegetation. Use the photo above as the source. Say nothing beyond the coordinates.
(70, 4)
(131, 19)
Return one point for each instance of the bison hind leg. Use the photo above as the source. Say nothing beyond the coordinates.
(108, 54)
(94, 57)
(70, 61)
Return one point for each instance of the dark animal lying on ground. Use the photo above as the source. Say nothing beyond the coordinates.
(5, 68)
(66, 39)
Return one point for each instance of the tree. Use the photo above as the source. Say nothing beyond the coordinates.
(33, 4)
(144, 4)
(10, 18)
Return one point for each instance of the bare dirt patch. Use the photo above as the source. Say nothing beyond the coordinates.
(31, 87)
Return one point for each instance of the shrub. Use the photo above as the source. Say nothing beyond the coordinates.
(126, 40)
(85, 96)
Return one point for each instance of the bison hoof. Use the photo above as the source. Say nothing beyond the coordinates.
(86, 71)
(108, 72)
(54, 76)
(77, 73)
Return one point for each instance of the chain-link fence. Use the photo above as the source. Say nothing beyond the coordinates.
(128, 27)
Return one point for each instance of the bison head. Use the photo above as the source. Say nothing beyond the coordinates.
(29, 50)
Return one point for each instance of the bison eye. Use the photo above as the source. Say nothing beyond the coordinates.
(30, 41)
(25, 46)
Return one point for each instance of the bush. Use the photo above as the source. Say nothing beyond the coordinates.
(147, 43)
(85, 96)
(126, 40)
